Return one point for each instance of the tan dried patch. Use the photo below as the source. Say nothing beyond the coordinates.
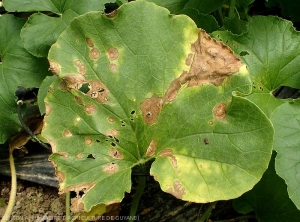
(94, 53)
(112, 53)
(63, 154)
(52, 144)
(78, 100)
(169, 153)
(54, 67)
(74, 81)
(172, 91)
(219, 111)
(88, 140)
(48, 109)
(60, 176)
(188, 61)
(177, 191)
(113, 14)
(113, 67)
(111, 168)
(116, 154)
(63, 86)
(151, 108)
(67, 133)
(151, 148)
(212, 62)
(90, 108)
(98, 91)
(81, 67)
(89, 42)
(112, 133)
(76, 205)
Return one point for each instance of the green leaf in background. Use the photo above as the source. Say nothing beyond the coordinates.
(204, 6)
(41, 30)
(235, 25)
(270, 49)
(204, 21)
(289, 8)
(44, 88)
(17, 68)
(286, 119)
(137, 86)
(269, 199)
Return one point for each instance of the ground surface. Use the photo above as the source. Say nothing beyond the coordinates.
(33, 202)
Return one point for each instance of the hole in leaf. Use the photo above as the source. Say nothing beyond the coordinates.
(110, 7)
(98, 141)
(90, 156)
(113, 144)
(131, 119)
(117, 140)
(85, 88)
(132, 112)
(244, 53)
(206, 141)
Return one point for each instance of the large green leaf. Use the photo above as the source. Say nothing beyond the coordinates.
(269, 199)
(17, 68)
(286, 119)
(270, 48)
(41, 30)
(126, 97)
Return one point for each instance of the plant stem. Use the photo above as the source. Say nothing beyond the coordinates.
(231, 8)
(68, 216)
(204, 217)
(26, 128)
(220, 15)
(137, 196)
(13, 191)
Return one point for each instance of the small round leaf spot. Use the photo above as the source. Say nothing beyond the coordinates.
(90, 108)
(116, 154)
(112, 133)
(112, 53)
(67, 133)
(111, 168)
(219, 111)
(79, 155)
(88, 140)
(111, 119)
(151, 108)
(113, 67)
(89, 42)
(94, 53)
(81, 67)
(78, 100)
